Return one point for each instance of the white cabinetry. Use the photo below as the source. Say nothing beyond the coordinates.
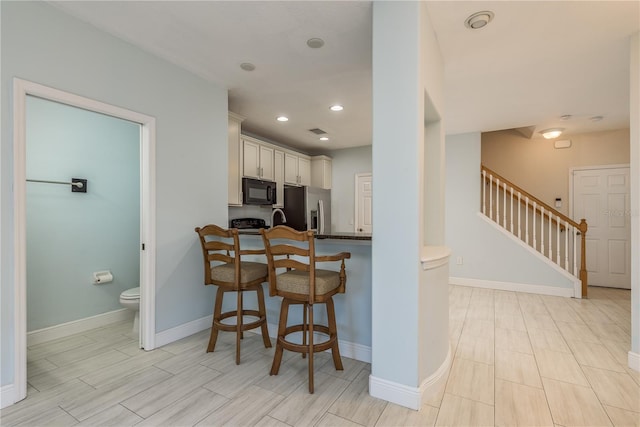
(278, 165)
(297, 169)
(235, 175)
(257, 160)
(321, 172)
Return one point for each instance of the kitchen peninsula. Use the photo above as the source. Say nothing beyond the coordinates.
(353, 308)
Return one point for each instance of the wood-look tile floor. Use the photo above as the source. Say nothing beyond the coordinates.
(520, 359)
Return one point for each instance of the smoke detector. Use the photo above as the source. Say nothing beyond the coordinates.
(479, 20)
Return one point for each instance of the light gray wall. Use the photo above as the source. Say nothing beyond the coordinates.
(345, 165)
(70, 235)
(43, 45)
(487, 253)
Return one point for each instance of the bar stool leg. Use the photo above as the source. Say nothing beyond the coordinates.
(238, 325)
(217, 311)
(304, 327)
(282, 325)
(263, 316)
(333, 333)
(310, 347)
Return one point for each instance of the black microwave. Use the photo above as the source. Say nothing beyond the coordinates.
(257, 192)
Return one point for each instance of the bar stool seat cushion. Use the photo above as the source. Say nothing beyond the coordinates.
(249, 271)
(297, 281)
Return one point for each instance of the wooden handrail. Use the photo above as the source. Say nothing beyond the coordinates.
(582, 225)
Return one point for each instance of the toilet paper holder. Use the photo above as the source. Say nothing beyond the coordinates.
(100, 277)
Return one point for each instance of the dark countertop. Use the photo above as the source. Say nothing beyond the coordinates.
(339, 235)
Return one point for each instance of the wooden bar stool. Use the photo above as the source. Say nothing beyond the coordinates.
(302, 283)
(224, 268)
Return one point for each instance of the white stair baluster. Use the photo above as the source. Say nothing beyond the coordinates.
(498, 201)
(535, 238)
(484, 192)
(566, 252)
(550, 254)
(504, 205)
(526, 219)
(490, 196)
(542, 230)
(511, 210)
(519, 215)
(558, 241)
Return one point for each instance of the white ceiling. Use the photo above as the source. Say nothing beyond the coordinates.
(535, 62)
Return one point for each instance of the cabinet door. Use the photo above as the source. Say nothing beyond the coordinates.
(235, 188)
(251, 159)
(291, 169)
(304, 171)
(266, 163)
(278, 165)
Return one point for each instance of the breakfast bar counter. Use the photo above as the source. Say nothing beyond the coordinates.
(353, 308)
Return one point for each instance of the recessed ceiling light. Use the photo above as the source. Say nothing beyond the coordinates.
(282, 119)
(315, 43)
(324, 138)
(337, 107)
(247, 66)
(479, 20)
(551, 133)
(596, 118)
(565, 117)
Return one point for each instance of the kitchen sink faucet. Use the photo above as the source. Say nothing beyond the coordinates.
(273, 214)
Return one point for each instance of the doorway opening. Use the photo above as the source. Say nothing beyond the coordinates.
(23, 89)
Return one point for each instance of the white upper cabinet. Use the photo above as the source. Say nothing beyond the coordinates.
(257, 160)
(235, 176)
(297, 169)
(321, 169)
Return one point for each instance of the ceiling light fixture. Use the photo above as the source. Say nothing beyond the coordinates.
(282, 119)
(324, 138)
(596, 118)
(565, 117)
(315, 43)
(247, 66)
(479, 20)
(552, 133)
(337, 107)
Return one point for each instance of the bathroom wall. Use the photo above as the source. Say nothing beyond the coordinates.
(70, 235)
(43, 45)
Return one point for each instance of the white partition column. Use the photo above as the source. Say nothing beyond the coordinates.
(410, 346)
(634, 354)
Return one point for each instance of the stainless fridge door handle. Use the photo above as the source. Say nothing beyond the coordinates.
(321, 217)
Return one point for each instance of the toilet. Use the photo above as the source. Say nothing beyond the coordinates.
(131, 299)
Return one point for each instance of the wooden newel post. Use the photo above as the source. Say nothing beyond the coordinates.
(583, 256)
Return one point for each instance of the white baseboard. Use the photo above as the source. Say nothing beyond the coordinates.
(347, 349)
(411, 397)
(634, 361)
(393, 392)
(183, 331)
(78, 326)
(511, 286)
(7, 397)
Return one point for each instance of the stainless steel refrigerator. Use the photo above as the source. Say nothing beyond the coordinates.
(307, 208)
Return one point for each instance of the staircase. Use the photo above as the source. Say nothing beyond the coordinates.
(543, 228)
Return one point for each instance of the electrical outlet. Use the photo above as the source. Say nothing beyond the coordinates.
(459, 260)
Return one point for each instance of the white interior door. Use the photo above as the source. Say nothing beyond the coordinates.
(601, 196)
(363, 208)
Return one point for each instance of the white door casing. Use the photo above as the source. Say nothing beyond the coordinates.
(21, 89)
(601, 195)
(363, 203)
